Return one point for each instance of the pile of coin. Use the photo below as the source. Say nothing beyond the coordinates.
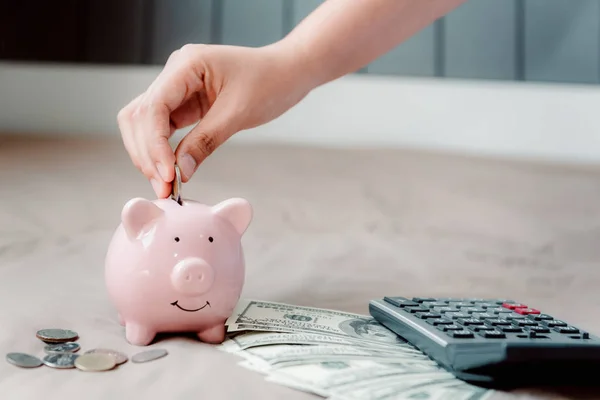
(61, 352)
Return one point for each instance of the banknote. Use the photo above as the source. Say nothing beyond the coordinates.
(337, 355)
(246, 340)
(436, 386)
(449, 392)
(323, 377)
(277, 356)
(261, 315)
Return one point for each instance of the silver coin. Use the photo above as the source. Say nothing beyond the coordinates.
(61, 360)
(95, 362)
(176, 187)
(70, 347)
(119, 357)
(23, 360)
(149, 355)
(56, 335)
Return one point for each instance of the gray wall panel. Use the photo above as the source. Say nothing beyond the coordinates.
(531, 40)
(176, 23)
(304, 7)
(479, 40)
(252, 23)
(561, 40)
(415, 57)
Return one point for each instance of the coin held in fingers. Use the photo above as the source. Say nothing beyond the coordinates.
(176, 187)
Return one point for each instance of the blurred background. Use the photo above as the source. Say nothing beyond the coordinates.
(510, 77)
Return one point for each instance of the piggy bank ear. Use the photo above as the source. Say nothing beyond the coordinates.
(138, 216)
(237, 211)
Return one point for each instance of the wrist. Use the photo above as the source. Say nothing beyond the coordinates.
(297, 62)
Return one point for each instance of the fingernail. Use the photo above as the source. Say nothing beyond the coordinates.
(187, 165)
(162, 171)
(156, 185)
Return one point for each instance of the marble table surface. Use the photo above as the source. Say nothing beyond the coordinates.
(331, 229)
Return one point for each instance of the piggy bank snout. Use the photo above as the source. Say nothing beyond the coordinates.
(192, 276)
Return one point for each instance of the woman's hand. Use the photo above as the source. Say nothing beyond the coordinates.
(222, 89)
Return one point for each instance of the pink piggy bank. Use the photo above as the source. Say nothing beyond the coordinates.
(177, 268)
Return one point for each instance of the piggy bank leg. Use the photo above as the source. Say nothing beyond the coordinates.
(138, 335)
(214, 335)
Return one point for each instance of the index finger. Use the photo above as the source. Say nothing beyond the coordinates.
(173, 87)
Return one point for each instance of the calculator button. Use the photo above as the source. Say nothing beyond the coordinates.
(460, 304)
(452, 327)
(414, 310)
(439, 321)
(469, 321)
(435, 304)
(496, 322)
(462, 334)
(426, 315)
(496, 310)
(422, 299)
(503, 301)
(554, 323)
(486, 305)
(444, 309)
(523, 322)
(512, 306)
(584, 335)
(526, 311)
(481, 328)
(510, 329)
(493, 334)
(540, 317)
(512, 317)
(400, 301)
(455, 315)
(566, 329)
(484, 316)
(472, 310)
(537, 329)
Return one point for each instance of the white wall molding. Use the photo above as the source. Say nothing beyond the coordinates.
(545, 121)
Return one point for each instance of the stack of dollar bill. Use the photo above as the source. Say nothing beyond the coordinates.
(336, 355)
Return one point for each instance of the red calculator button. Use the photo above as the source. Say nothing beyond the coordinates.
(526, 311)
(512, 306)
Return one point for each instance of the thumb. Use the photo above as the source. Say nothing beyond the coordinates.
(211, 132)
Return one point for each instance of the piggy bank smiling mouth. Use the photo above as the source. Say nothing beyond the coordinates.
(176, 304)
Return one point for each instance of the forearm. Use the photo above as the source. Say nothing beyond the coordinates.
(342, 36)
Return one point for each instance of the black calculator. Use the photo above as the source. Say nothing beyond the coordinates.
(494, 343)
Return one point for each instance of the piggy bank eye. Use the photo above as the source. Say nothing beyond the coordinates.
(210, 239)
(177, 239)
